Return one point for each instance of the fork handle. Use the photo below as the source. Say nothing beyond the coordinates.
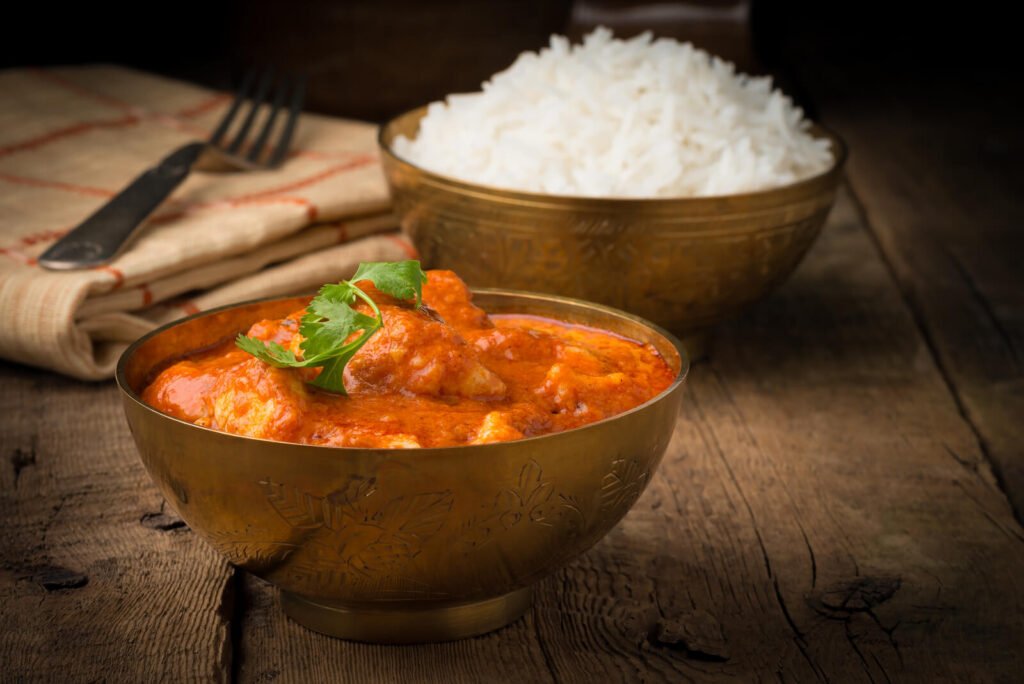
(100, 237)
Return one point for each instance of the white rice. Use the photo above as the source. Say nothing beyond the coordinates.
(620, 118)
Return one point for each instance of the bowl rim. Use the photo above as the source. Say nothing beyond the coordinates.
(128, 392)
(839, 157)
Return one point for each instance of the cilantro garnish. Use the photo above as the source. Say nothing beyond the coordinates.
(331, 319)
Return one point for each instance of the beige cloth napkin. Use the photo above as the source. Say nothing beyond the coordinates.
(71, 138)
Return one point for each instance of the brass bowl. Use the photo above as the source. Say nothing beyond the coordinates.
(683, 263)
(400, 545)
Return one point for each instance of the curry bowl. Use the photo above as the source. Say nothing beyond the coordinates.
(684, 263)
(401, 545)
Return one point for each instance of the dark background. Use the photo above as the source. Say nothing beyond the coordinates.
(374, 58)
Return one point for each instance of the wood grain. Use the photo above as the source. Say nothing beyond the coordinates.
(98, 581)
(936, 165)
(940, 187)
(824, 513)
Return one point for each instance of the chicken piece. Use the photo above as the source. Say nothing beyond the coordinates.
(496, 428)
(240, 394)
(514, 343)
(564, 386)
(183, 391)
(399, 441)
(417, 354)
(446, 294)
(284, 331)
(260, 401)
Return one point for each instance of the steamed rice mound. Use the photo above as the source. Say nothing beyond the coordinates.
(620, 118)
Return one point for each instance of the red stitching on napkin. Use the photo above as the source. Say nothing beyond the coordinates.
(173, 120)
(56, 185)
(311, 209)
(147, 294)
(406, 247)
(357, 162)
(134, 117)
(168, 121)
(134, 110)
(188, 306)
(330, 156)
(43, 236)
(184, 210)
(31, 240)
(207, 105)
(17, 255)
(116, 272)
(67, 132)
(93, 95)
(342, 232)
(300, 201)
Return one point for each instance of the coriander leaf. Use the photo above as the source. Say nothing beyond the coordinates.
(333, 330)
(272, 352)
(330, 320)
(331, 297)
(332, 376)
(401, 279)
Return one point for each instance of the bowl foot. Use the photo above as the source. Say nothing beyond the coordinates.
(406, 623)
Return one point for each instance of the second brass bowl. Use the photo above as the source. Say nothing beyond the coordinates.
(400, 545)
(684, 263)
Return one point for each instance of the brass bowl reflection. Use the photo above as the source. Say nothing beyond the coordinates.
(400, 545)
(683, 263)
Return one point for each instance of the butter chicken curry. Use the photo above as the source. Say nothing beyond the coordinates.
(441, 374)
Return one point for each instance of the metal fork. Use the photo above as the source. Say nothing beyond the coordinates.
(101, 237)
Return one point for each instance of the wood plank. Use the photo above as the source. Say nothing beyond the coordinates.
(935, 163)
(940, 184)
(883, 534)
(98, 581)
(823, 513)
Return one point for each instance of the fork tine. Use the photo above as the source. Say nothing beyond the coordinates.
(261, 140)
(261, 94)
(240, 96)
(294, 108)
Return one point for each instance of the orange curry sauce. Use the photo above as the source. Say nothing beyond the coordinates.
(444, 375)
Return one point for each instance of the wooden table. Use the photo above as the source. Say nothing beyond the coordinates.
(835, 505)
